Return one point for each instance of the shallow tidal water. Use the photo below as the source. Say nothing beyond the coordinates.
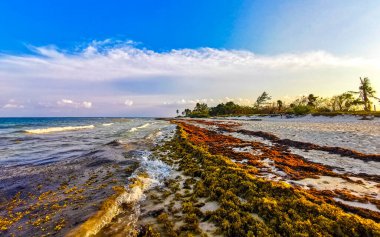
(56, 172)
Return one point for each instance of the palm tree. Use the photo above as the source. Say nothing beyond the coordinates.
(279, 105)
(186, 112)
(344, 101)
(311, 99)
(366, 93)
(264, 97)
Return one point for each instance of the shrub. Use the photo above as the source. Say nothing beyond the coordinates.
(301, 110)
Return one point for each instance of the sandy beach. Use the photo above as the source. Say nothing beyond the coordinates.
(205, 177)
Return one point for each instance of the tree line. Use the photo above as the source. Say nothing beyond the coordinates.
(346, 102)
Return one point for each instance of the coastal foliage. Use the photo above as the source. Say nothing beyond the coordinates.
(346, 102)
(230, 108)
(366, 92)
(263, 98)
(200, 110)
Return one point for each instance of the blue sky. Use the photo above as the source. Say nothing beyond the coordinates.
(158, 25)
(131, 58)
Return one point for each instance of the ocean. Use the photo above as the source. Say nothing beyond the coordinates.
(74, 163)
(35, 141)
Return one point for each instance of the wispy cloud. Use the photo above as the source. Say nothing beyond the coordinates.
(12, 104)
(128, 102)
(102, 62)
(97, 71)
(73, 104)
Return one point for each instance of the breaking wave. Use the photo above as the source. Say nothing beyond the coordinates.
(107, 213)
(107, 124)
(150, 174)
(58, 129)
(140, 127)
(156, 169)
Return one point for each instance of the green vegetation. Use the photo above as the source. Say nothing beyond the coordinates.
(279, 105)
(345, 103)
(201, 110)
(248, 205)
(262, 99)
(366, 92)
(230, 108)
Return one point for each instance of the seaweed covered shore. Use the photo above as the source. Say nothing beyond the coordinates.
(204, 178)
(211, 195)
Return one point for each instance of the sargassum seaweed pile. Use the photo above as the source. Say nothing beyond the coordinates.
(246, 205)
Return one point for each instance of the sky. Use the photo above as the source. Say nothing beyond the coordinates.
(150, 58)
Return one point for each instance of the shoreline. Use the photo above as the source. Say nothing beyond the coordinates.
(221, 180)
(214, 198)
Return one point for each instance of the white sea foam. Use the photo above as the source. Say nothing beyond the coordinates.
(132, 195)
(139, 127)
(107, 124)
(58, 129)
(144, 126)
(156, 170)
(162, 135)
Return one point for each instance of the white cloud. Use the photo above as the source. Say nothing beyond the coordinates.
(128, 102)
(210, 101)
(105, 72)
(125, 61)
(65, 101)
(87, 104)
(73, 104)
(12, 104)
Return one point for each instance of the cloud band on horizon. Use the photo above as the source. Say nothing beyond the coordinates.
(108, 73)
